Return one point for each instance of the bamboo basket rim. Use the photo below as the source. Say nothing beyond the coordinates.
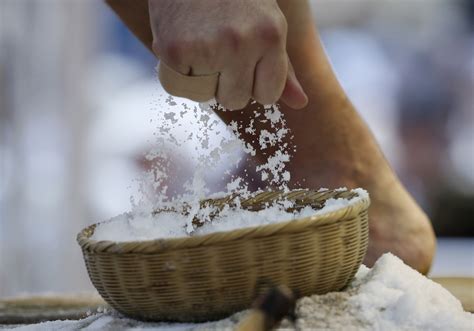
(166, 244)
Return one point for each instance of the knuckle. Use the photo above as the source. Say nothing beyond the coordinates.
(273, 31)
(234, 37)
(208, 49)
(174, 51)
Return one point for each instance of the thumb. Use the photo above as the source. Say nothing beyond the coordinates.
(293, 94)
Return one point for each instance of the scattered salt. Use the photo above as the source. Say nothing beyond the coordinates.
(132, 227)
(160, 188)
(145, 225)
(390, 296)
(396, 297)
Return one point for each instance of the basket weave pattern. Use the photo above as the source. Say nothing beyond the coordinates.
(212, 276)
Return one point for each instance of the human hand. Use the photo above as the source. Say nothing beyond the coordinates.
(244, 41)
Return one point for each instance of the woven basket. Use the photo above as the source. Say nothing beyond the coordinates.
(208, 277)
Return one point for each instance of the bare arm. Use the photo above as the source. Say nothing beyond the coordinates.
(244, 41)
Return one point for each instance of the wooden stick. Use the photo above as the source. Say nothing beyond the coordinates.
(269, 310)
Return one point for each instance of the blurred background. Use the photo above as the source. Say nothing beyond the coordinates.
(78, 92)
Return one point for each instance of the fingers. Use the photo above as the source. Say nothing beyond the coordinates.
(270, 77)
(172, 56)
(196, 88)
(273, 78)
(293, 94)
(240, 43)
(243, 72)
(235, 86)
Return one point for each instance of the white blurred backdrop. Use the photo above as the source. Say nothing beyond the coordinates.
(76, 91)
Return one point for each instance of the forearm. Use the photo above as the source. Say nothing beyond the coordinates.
(135, 15)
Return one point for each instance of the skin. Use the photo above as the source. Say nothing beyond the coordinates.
(244, 41)
(334, 146)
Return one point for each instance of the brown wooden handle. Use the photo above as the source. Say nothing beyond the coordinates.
(196, 88)
(254, 321)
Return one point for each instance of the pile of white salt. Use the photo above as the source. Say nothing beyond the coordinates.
(143, 225)
(390, 296)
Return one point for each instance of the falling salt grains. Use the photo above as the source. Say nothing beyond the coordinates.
(190, 137)
(275, 165)
(274, 143)
(277, 162)
(200, 145)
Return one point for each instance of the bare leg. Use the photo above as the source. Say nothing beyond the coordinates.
(335, 148)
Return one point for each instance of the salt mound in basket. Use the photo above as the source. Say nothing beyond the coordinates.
(208, 276)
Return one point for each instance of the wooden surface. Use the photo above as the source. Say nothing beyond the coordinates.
(34, 309)
(461, 287)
